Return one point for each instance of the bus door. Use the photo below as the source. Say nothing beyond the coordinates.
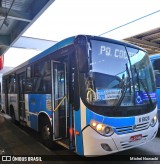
(21, 97)
(59, 99)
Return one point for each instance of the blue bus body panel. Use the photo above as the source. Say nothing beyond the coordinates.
(158, 103)
(37, 103)
(158, 97)
(91, 115)
(115, 122)
(79, 141)
(34, 122)
(111, 121)
(119, 122)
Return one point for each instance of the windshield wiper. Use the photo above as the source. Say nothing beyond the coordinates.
(143, 85)
(124, 86)
(127, 70)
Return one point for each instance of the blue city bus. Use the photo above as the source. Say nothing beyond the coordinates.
(155, 59)
(93, 95)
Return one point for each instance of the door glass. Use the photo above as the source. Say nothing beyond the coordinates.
(60, 100)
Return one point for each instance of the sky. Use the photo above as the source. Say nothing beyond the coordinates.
(65, 18)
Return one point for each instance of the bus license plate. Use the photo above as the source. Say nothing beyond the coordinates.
(136, 137)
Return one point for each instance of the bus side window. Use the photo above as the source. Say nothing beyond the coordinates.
(29, 81)
(42, 77)
(156, 65)
(29, 85)
(46, 84)
(12, 84)
(37, 70)
(29, 72)
(47, 68)
(157, 80)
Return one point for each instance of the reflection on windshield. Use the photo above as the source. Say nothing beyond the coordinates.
(113, 81)
(106, 87)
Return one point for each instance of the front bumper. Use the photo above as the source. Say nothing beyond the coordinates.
(93, 141)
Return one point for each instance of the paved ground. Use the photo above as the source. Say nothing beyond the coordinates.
(14, 141)
(17, 141)
(23, 142)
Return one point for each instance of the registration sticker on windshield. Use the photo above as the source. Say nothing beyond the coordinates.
(108, 94)
(151, 94)
(100, 94)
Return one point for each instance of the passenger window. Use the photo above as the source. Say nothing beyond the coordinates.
(12, 84)
(29, 72)
(42, 77)
(158, 80)
(29, 85)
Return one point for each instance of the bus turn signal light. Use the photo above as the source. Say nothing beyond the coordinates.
(77, 133)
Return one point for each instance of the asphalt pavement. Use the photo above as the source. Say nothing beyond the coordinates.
(21, 143)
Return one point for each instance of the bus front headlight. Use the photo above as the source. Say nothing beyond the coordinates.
(153, 121)
(101, 128)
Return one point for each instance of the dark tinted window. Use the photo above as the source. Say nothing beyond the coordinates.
(41, 80)
(12, 84)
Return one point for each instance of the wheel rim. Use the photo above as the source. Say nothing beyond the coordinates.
(46, 132)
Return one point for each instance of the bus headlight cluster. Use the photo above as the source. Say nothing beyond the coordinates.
(153, 121)
(101, 128)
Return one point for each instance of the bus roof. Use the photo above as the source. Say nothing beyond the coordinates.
(66, 42)
(50, 50)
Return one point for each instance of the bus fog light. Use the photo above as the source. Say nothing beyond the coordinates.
(153, 121)
(108, 131)
(106, 147)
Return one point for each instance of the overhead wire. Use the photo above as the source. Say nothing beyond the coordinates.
(130, 22)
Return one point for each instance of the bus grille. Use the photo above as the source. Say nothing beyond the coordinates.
(130, 129)
(129, 144)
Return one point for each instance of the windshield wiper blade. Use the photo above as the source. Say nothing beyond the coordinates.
(127, 70)
(143, 85)
(124, 87)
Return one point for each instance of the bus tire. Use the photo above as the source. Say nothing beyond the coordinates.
(46, 133)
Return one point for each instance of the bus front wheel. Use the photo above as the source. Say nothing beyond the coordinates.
(45, 131)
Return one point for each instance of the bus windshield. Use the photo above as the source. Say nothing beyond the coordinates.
(119, 76)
